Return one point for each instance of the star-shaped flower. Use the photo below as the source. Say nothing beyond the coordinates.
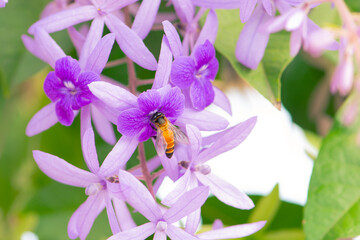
(98, 186)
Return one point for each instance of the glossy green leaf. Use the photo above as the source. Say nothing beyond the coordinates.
(266, 209)
(333, 207)
(266, 78)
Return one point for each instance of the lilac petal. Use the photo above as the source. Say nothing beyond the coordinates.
(145, 17)
(92, 38)
(343, 77)
(172, 103)
(42, 120)
(100, 55)
(253, 39)
(118, 156)
(113, 96)
(109, 113)
(178, 234)
(160, 235)
(64, 112)
(201, 94)
(183, 72)
(232, 136)
(216, 4)
(295, 20)
(174, 39)
(50, 49)
(184, 10)
(182, 185)
(225, 192)
(85, 120)
(236, 231)
(139, 233)
(171, 167)
(209, 30)
(162, 74)
(278, 23)
(221, 100)
(204, 53)
(89, 151)
(67, 69)
(195, 140)
(76, 38)
(295, 41)
(65, 19)
(269, 7)
(130, 43)
(103, 126)
(62, 171)
(33, 47)
(149, 101)
(123, 215)
(193, 221)
(114, 225)
(112, 5)
(83, 218)
(204, 120)
(138, 196)
(246, 9)
(52, 86)
(186, 204)
(132, 121)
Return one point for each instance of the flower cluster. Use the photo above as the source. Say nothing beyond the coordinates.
(172, 113)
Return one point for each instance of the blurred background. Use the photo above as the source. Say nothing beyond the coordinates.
(273, 165)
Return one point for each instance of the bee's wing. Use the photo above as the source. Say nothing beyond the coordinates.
(179, 136)
(160, 143)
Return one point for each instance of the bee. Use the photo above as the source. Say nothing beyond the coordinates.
(167, 135)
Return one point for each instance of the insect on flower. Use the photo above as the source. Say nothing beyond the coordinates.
(167, 135)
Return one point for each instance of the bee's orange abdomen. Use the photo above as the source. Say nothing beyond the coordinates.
(169, 138)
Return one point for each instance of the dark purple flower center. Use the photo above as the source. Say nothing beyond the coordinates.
(168, 102)
(195, 73)
(69, 88)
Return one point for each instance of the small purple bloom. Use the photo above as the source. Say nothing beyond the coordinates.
(161, 222)
(170, 102)
(68, 88)
(196, 73)
(98, 184)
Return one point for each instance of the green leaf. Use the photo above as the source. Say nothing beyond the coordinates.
(266, 78)
(266, 209)
(293, 234)
(333, 207)
(354, 5)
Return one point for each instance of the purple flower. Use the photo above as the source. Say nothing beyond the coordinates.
(192, 164)
(133, 121)
(67, 85)
(104, 12)
(160, 223)
(68, 88)
(295, 20)
(208, 33)
(196, 73)
(3, 3)
(98, 184)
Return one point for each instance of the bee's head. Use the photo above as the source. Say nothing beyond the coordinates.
(157, 118)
